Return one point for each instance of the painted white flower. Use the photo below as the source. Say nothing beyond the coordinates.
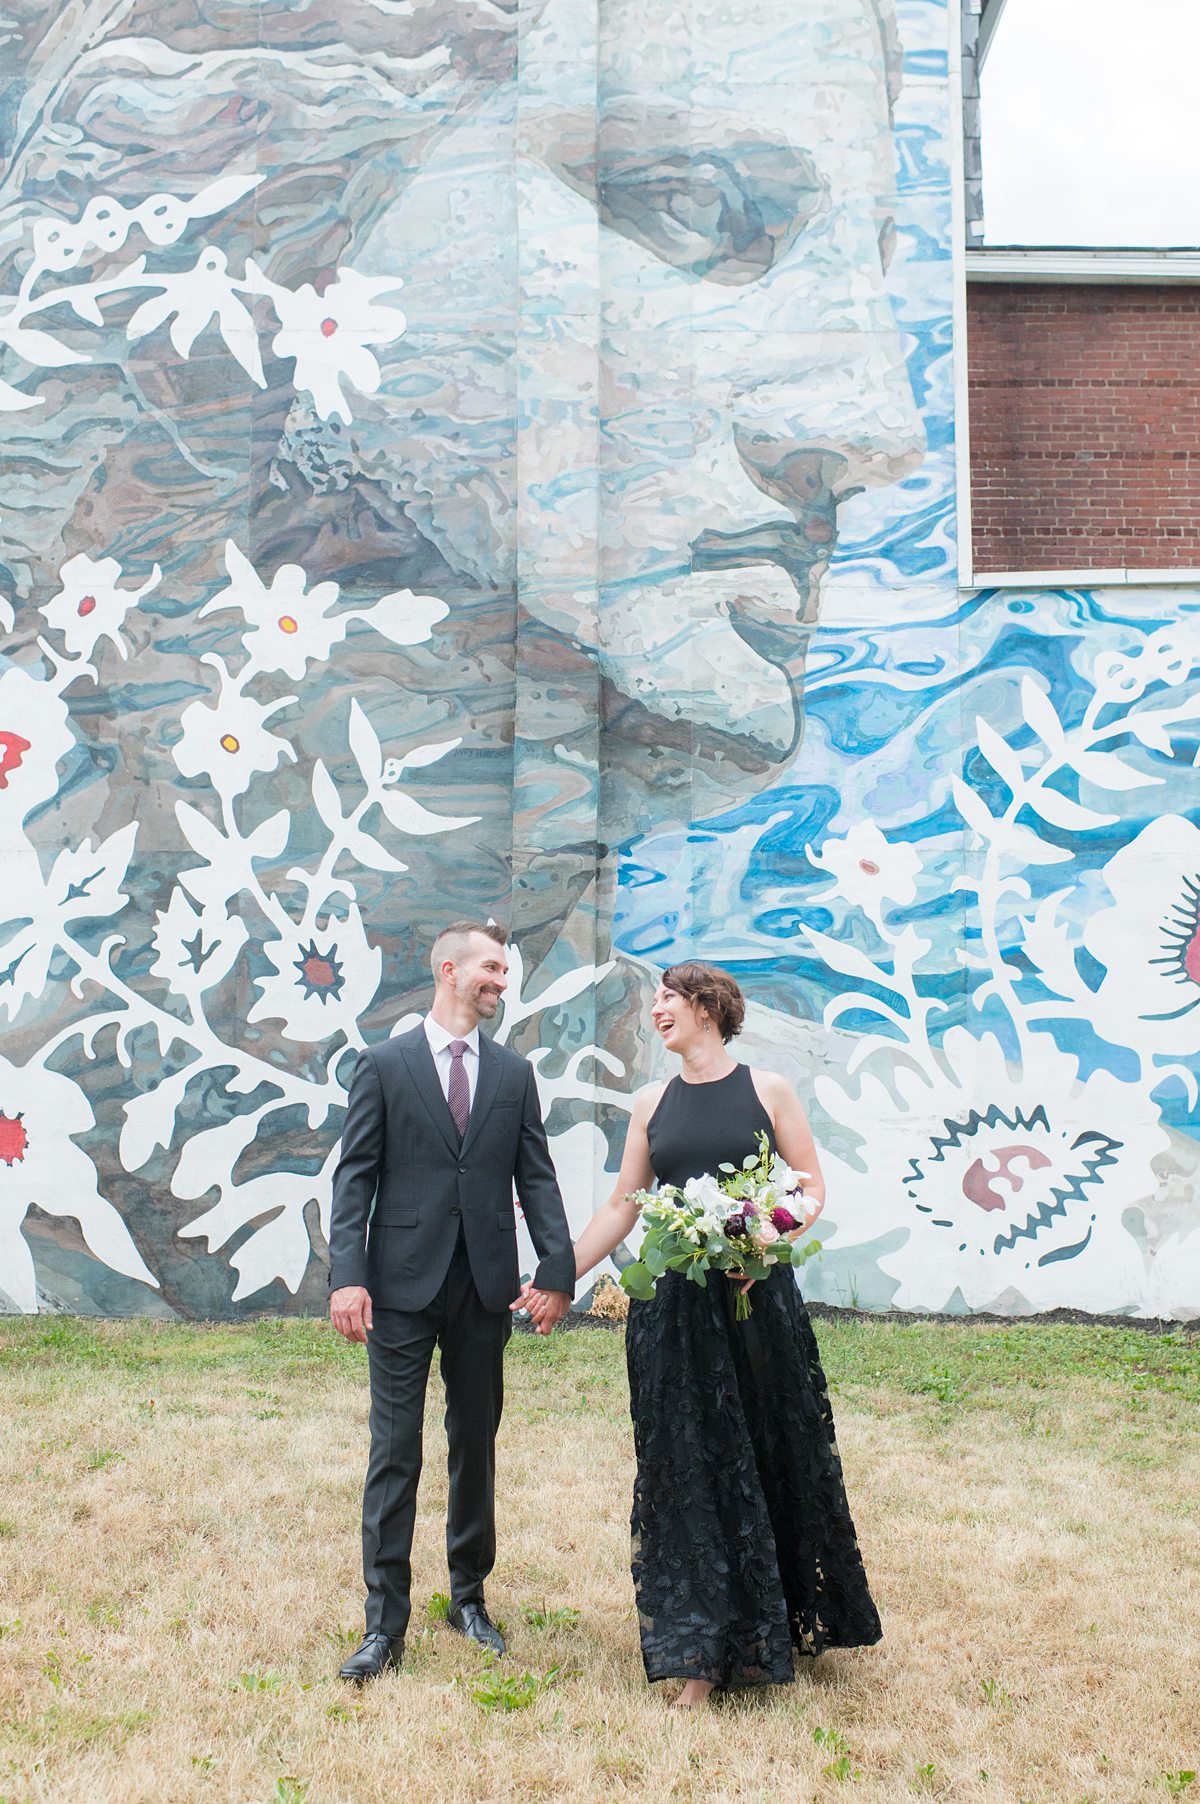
(34, 736)
(324, 977)
(226, 740)
(195, 297)
(195, 949)
(40, 1112)
(868, 869)
(1011, 1185)
(1149, 941)
(288, 628)
(89, 606)
(328, 334)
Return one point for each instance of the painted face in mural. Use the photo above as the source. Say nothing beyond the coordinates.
(708, 364)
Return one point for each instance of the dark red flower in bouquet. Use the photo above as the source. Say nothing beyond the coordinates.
(783, 1219)
(734, 1226)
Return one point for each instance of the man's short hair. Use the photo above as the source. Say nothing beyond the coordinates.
(454, 941)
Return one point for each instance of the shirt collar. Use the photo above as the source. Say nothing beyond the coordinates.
(439, 1038)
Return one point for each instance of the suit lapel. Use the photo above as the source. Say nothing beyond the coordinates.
(428, 1085)
(485, 1089)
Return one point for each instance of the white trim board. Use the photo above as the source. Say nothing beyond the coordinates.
(1081, 579)
(1010, 263)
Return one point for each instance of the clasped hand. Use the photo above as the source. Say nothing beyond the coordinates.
(545, 1307)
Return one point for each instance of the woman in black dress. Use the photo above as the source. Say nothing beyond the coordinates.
(743, 1545)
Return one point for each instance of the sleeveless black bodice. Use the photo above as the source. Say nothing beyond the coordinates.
(698, 1127)
(743, 1544)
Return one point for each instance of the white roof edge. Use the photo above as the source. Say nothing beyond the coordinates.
(1080, 579)
(991, 10)
(1006, 263)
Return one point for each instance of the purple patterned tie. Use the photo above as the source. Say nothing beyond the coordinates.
(459, 1096)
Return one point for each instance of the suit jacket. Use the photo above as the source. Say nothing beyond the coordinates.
(401, 1152)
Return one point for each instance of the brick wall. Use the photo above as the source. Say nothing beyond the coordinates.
(1085, 426)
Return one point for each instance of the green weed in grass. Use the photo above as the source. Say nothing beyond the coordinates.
(438, 1607)
(495, 1690)
(259, 1681)
(542, 1616)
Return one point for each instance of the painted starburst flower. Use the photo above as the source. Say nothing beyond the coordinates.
(320, 972)
(1011, 1185)
(321, 980)
(226, 740)
(868, 869)
(41, 1112)
(1149, 941)
(328, 334)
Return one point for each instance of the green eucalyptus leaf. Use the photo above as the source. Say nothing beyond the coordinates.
(637, 1282)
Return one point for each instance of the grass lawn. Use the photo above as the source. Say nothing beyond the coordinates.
(179, 1579)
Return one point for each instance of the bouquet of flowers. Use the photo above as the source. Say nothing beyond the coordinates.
(736, 1223)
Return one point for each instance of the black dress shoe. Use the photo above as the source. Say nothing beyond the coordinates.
(472, 1620)
(376, 1655)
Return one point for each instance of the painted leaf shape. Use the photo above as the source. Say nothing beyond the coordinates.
(427, 754)
(149, 316)
(1062, 812)
(364, 743)
(405, 618)
(220, 194)
(1041, 714)
(840, 956)
(1000, 755)
(40, 348)
(1108, 771)
(974, 809)
(202, 836)
(325, 796)
(150, 1119)
(368, 851)
(410, 816)
(1027, 848)
(270, 836)
(1150, 724)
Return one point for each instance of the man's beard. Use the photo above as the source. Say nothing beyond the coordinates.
(485, 1002)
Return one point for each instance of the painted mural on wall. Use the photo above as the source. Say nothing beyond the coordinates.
(479, 459)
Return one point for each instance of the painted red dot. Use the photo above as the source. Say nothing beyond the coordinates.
(869, 867)
(13, 1139)
(328, 327)
(86, 606)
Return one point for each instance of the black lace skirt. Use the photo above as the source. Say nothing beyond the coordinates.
(743, 1544)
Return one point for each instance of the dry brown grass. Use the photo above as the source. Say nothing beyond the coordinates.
(178, 1543)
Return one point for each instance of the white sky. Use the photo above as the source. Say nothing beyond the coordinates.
(1091, 123)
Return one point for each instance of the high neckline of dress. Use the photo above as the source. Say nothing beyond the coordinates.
(708, 1083)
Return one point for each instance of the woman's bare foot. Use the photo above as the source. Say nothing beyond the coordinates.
(694, 1692)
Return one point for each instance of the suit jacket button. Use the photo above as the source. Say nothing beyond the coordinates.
(462, 1168)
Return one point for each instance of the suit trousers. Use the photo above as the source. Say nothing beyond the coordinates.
(400, 1347)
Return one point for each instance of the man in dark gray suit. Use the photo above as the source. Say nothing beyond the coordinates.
(441, 1122)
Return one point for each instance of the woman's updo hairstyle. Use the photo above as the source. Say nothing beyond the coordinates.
(713, 990)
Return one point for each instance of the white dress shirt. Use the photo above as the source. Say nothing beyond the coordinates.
(439, 1046)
